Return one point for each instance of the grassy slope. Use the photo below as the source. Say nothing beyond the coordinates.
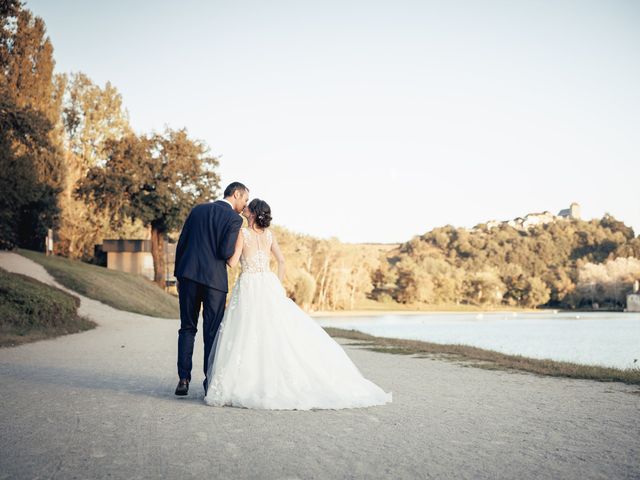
(120, 290)
(489, 359)
(31, 310)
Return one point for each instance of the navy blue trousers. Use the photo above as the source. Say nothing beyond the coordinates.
(192, 296)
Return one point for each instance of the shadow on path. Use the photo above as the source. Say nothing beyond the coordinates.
(73, 378)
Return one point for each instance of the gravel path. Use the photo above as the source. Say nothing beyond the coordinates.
(100, 404)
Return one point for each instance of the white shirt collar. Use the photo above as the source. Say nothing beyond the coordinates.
(225, 200)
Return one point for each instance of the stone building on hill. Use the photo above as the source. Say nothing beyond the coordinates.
(533, 219)
(572, 212)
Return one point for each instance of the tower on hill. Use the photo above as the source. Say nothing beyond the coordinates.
(572, 212)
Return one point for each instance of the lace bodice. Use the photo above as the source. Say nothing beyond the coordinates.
(256, 251)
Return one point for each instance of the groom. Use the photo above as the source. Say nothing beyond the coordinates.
(207, 240)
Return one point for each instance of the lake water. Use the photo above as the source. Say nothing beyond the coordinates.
(590, 338)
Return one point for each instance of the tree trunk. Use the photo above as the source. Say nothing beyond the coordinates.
(352, 296)
(157, 252)
(323, 278)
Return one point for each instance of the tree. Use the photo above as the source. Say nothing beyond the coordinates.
(27, 59)
(384, 280)
(156, 179)
(32, 163)
(485, 287)
(27, 205)
(537, 293)
(607, 283)
(91, 116)
(560, 285)
(304, 288)
(414, 283)
(9, 10)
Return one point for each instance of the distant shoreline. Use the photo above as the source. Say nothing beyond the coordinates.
(376, 313)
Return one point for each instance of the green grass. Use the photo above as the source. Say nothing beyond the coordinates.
(488, 359)
(31, 310)
(124, 291)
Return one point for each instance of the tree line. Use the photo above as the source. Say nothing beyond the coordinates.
(569, 263)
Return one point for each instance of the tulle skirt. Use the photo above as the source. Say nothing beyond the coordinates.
(269, 354)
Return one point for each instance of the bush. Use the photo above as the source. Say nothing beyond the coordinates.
(31, 310)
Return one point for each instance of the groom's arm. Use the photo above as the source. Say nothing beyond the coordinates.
(233, 260)
(228, 245)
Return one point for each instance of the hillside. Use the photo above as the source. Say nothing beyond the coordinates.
(570, 263)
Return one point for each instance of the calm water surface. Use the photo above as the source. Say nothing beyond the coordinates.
(606, 339)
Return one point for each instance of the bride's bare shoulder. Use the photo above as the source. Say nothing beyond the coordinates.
(272, 237)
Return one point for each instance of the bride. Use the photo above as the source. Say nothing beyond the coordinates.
(268, 353)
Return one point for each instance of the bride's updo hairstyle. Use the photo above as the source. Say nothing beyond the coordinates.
(262, 211)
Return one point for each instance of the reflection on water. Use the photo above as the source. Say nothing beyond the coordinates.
(606, 339)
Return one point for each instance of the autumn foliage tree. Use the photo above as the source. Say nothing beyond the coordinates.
(32, 169)
(91, 117)
(27, 204)
(156, 179)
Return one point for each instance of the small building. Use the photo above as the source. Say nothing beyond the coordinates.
(633, 302)
(572, 212)
(131, 256)
(134, 256)
(516, 222)
(533, 219)
(633, 299)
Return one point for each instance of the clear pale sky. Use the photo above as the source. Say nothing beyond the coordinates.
(376, 121)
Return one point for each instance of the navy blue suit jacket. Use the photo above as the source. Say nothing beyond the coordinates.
(207, 240)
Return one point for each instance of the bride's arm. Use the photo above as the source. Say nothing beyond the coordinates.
(275, 249)
(235, 258)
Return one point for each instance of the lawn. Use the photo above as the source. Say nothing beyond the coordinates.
(124, 291)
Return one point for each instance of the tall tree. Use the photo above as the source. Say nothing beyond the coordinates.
(91, 116)
(8, 13)
(27, 56)
(29, 111)
(156, 179)
(27, 205)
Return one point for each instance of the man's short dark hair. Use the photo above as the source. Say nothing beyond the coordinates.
(232, 187)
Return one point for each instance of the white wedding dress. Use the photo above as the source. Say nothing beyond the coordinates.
(269, 354)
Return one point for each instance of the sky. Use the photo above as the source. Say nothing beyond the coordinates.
(374, 121)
